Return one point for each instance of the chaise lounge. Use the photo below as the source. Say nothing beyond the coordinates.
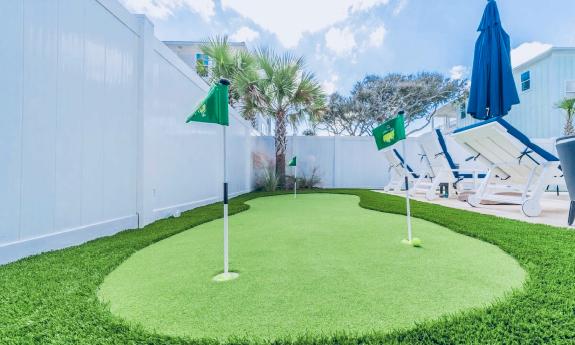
(442, 168)
(520, 170)
(396, 165)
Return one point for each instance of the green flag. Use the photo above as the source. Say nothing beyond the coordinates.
(214, 108)
(293, 161)
(389, 133)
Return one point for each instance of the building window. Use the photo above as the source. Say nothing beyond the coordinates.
(570, 89)
(202, 64)
(525, 81)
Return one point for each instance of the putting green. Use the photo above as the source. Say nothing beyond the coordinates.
(315, 264)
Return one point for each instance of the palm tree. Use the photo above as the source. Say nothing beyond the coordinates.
(568, 104)
(286, 93)
(238, 66)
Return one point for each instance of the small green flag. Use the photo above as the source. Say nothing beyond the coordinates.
(214, 108)
(389, 133)
(293, 162)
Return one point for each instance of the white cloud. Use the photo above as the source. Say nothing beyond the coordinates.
(244, 34)
(401, 4)
(162, 9)
(376, 37)
(458, 72)
(330, 86)
(340, 41)
(527, 51)
(289, 20)
(362, 5)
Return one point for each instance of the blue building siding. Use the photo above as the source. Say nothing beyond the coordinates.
(537, 115)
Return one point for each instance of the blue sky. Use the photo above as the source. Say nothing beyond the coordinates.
(343, 40)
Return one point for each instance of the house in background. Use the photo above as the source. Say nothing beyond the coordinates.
(449, 116)
(541, 82)
(191, 53)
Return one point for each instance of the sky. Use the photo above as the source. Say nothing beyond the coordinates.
(344, 40)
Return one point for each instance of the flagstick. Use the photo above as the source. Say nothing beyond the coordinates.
(226, 267)
(227, 275)
(295, 182)
(294, 168)
(408, 208)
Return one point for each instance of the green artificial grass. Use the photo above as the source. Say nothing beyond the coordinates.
(51, 298)
(317, 264)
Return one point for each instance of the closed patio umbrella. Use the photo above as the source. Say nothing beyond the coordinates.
(493, 90)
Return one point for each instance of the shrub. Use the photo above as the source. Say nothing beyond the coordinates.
(311, 181)
(268, 180)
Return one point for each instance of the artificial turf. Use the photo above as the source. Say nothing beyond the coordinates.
(318, 264)
(51, 298)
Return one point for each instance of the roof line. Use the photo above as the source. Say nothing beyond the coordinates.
(542, 56)
(190, 43)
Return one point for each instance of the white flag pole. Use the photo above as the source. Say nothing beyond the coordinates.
(226, 265)
(295, 167)
(408, 208)
(295, 182)
(227, 275)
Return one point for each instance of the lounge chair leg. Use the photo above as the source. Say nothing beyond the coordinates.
(431, 194)
(532, 206)
(475, 199)
(525, 194)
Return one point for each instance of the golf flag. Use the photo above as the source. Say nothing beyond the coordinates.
(387, 135)
(293, 162)
(214, 108)
(389, 132)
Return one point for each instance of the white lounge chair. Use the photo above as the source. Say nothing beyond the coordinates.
(397, 170)
(519, 170)
(442, 168)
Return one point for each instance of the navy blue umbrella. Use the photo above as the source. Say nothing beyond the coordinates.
(493, 90)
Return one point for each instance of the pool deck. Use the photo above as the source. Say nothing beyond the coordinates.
(555, 208)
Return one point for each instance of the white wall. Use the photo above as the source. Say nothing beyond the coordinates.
(92, 132)
(68, 143)
(342, 162)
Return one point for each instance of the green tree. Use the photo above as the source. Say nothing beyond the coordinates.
(568, 104)
(239, 66)
(375, 99)
(267, 83)
(287, 93)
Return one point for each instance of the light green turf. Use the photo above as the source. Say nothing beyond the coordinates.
(318, 264)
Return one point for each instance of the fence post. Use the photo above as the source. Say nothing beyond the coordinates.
(144, 195)
(334, 164)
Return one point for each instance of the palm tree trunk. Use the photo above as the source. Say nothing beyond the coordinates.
(281, 143)
(568, 129)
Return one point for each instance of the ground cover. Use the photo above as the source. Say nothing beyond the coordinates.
(51, 298)
(318, 264)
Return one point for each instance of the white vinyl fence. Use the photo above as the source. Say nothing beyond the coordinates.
(342, 162)
(92, 132)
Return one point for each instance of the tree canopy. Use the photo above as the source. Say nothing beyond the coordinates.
(376, 99)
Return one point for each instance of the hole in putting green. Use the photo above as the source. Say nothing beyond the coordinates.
(311, 265)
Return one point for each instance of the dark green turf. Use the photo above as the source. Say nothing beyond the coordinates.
(317, 264)
(51, 298)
